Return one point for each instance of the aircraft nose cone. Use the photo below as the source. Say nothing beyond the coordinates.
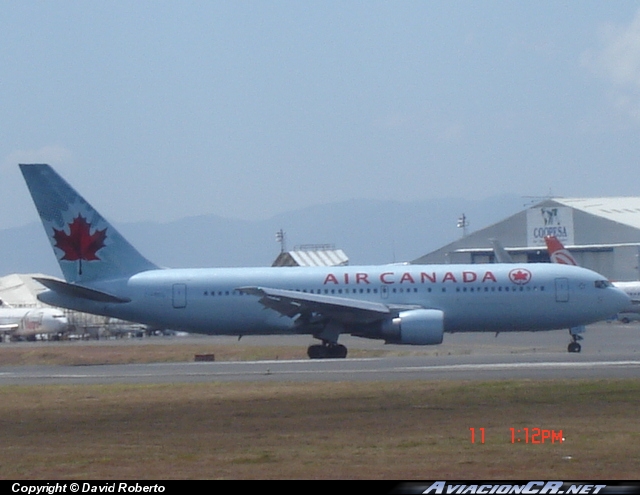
(62, 323)
(620, 300)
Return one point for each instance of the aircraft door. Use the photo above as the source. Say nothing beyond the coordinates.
(179, 296)
(384, 292)
(562, 290)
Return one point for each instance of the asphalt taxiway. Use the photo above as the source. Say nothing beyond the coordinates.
(610, 350)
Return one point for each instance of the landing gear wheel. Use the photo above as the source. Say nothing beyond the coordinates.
(315, 351)
(574, 347)
(338, 351)
(327, 351)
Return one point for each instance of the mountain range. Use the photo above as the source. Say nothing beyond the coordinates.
(368, 231)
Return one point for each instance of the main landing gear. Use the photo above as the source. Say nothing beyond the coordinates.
(575, 346)
(327, 350)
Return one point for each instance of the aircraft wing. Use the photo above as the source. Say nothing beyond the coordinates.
(344, 310)
(10, 327)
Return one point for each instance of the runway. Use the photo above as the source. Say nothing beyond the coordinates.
(610, 350)
(399, 368)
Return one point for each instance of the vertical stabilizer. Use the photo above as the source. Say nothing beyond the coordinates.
(500, 252)
(88, 248)
(558, 253)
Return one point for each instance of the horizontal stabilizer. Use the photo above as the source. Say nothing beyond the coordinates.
(73, 290)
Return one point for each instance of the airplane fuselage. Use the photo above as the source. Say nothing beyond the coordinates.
(29, 322)
(492, 298)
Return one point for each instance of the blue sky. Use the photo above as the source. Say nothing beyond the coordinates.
(157, 110)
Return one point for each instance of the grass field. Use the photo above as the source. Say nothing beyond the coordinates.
(391, 430)
(408, 430)
(152, 353)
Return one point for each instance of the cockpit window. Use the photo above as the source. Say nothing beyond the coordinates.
(602, 284)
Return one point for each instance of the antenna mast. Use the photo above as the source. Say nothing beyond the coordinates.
(463, 224)
(281, 237)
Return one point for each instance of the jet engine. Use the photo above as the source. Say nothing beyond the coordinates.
(415, 327)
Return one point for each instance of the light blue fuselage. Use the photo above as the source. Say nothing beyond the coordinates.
(491, 298)
(407, 304)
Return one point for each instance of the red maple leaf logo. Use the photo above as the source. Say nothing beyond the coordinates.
(80, 244)
(520, 276)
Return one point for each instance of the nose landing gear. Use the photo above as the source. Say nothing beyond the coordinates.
(575, 346)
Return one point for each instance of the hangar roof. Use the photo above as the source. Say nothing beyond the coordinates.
(312, 255)
(625, 210)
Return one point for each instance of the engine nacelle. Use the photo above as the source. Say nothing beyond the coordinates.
(415, 327)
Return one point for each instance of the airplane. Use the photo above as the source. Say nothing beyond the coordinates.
(402, 304)
(559, 254)
(26, 323)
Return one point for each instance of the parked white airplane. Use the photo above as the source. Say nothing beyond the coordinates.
(405, 304)
(26, 323)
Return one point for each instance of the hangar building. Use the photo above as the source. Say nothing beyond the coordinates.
(312, 255)
(603, 234)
